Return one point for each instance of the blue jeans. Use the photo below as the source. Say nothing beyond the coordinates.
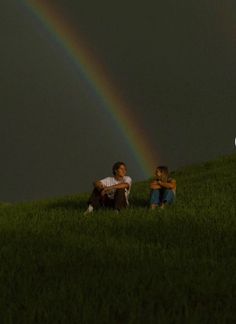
(159, 196)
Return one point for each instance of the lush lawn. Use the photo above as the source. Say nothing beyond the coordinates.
(177, 265)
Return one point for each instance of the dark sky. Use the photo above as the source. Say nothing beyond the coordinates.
(174, 63)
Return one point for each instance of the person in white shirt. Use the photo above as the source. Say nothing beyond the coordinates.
(111, 192)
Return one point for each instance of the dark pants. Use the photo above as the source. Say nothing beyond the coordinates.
(99, 201)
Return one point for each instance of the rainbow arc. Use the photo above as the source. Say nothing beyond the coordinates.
(97, 78)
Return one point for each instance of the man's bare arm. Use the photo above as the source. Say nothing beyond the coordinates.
(123, 185)
(98, 185)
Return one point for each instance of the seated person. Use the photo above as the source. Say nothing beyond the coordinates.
(163, 188)
(111, 192)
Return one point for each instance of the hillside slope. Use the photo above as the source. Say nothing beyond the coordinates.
(172, 266)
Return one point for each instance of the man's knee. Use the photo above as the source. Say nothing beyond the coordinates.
(120, 195)
(95, 199)
(120, 199)
(120, 192)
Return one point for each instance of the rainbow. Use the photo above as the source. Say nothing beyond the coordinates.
(227, 18)
(97, 78)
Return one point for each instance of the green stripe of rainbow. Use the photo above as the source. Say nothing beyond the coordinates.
(97, 77)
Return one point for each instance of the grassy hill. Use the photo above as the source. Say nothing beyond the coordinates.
(177, 265)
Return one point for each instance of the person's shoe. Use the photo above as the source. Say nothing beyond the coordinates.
(163, 205)
(153, 207)
(89, 210)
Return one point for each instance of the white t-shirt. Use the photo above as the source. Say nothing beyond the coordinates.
(111, 181)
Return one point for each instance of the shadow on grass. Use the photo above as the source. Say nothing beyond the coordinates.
(82, 205)
(79, 205)
(138, 202)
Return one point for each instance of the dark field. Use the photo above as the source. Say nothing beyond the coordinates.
(177, 265)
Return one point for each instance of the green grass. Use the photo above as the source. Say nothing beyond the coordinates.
(172, 266)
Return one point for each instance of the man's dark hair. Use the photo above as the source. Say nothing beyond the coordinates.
(116, 167)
